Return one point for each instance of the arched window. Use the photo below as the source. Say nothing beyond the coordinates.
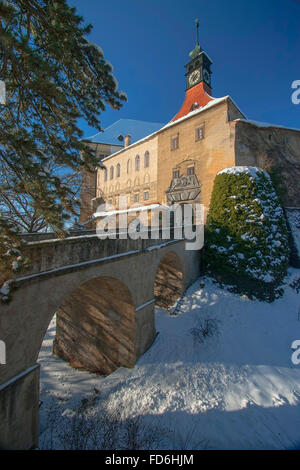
(146, 159)
(111, 172)
(128, 166)
(118, 170)
(137, 163)
(105, 174)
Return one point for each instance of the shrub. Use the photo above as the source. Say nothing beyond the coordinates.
(246, 243)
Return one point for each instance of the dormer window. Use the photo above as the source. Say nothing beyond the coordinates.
(194, 106)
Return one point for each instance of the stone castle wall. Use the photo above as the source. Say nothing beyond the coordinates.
(271, 148)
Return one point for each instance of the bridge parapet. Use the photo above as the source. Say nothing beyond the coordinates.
(50, 254)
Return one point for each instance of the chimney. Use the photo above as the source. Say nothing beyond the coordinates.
(127, 140)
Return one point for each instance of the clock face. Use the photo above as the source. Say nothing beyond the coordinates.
(194, 77)
(206, 76)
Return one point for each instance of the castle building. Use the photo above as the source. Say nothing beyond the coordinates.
(178, 162)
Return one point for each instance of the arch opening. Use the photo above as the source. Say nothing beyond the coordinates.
(95, 327)
(168, 284)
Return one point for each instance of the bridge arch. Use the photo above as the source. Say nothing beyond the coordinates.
(60, 270)
(169, 280)
(95, 326)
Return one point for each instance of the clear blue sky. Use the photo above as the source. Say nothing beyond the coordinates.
(254, 46)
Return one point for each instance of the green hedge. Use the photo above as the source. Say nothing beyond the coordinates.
(246, 241)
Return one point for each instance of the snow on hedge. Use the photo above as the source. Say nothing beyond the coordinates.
(293, 215)
(246, 236)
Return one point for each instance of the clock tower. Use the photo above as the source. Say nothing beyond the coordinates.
(198, 68)
(198, 80)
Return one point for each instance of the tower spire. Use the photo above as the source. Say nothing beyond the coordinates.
(197, 31)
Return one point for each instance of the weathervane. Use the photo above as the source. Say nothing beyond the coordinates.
(197, 31)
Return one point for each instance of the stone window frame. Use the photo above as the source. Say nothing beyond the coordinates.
(118, 170)
(199, 132)
(111, 173)
(105, 174)
(146, 193)
(128, 166)
(175, 141)
(136, 197)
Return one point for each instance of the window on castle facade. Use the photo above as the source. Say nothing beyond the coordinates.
(175, 174)
(199, 133)
(118, 170)
(136, 198)
(191, 171)
(111, 172)
(128, 166)
(105, 174)
(146, 159)
(146, 196)
(137, 163)
(174, 142)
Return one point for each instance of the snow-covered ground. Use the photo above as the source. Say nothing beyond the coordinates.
(237, 389)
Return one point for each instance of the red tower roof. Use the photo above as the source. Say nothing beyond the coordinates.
(195, 97)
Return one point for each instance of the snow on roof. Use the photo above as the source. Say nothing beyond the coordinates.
(136, 129)
(266, 124)
(170, 124)
(197, 111)
(249, 170)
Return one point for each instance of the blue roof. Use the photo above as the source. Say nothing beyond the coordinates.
(136, 129)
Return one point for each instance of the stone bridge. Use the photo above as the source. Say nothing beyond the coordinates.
(103, 293)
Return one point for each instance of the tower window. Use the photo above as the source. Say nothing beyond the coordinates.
(191, 171)
(175, 174)
(174, 142)
(199, 133)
